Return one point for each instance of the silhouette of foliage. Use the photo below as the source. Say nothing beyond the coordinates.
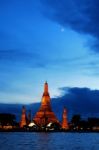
(7, 119)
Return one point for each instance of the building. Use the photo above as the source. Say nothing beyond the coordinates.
(23, 121)
(65, 125)
(45, 115)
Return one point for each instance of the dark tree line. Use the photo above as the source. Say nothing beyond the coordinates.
(7, 119)
(77, 123)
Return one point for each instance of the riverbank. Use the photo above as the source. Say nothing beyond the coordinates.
(68, 131)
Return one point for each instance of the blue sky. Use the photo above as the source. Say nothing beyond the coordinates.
(49, 40)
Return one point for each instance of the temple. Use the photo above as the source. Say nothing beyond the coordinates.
(45, 115)
(65, 125)
(23, 121)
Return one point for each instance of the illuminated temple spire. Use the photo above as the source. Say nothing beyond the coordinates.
(23, 117)
(45, 114)
(46, 87)
(64, 120)
(45, 102)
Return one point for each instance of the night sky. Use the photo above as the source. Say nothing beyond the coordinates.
(50, 40)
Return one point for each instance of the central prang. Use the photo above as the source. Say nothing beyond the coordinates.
(45, 115)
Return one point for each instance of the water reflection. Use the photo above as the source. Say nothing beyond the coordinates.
(49, 141)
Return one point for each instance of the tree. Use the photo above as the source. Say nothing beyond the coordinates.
(76, 119)
(7, 119)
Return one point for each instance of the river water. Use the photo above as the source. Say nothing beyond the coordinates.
(49, 141)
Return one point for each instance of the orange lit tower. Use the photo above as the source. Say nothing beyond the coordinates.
(23, 121)
(45, 114)
(64, 120)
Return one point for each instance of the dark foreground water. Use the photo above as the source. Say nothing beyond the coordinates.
(49, 141)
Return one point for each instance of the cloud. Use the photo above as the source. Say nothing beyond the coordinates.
(32, 59)
(81, 16)
(77, 100)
